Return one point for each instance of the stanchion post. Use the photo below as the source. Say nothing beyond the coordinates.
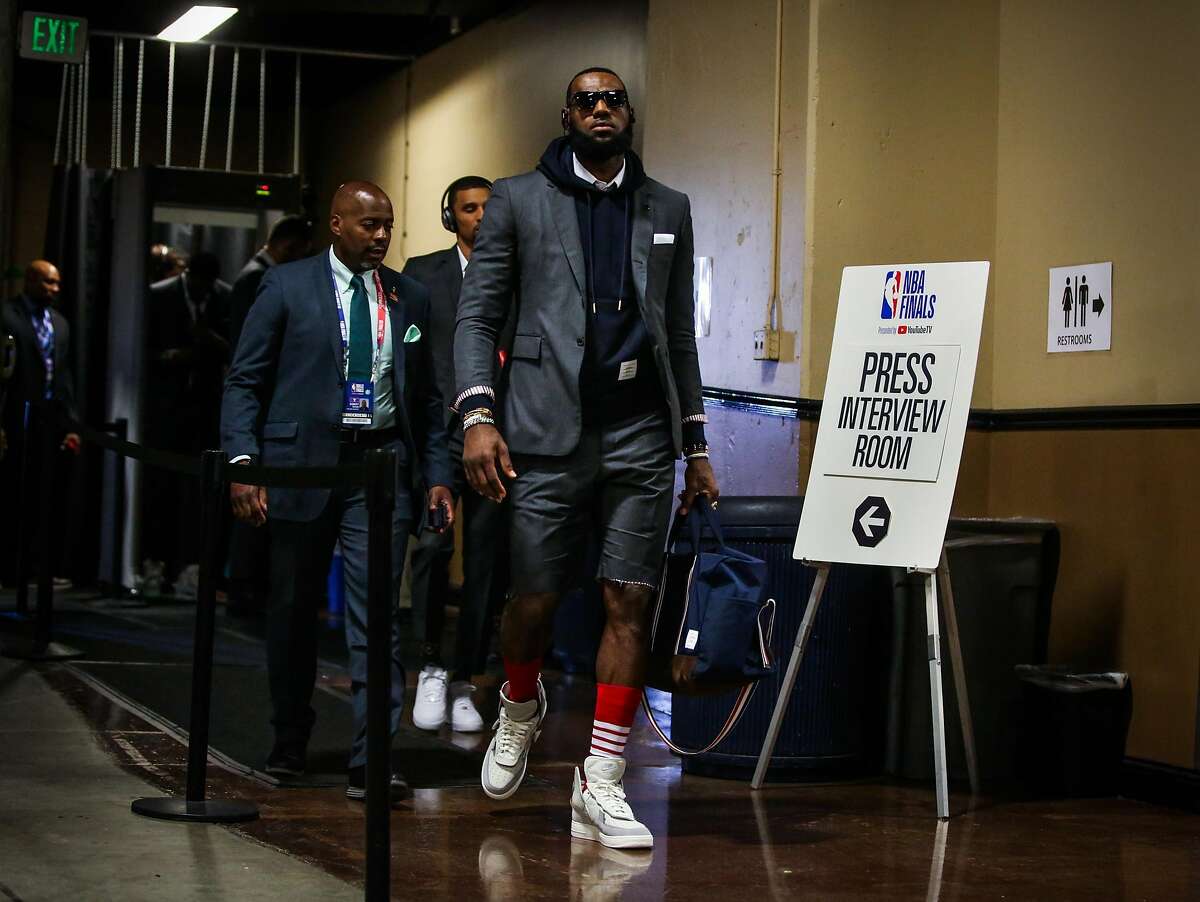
(121, 430)
(381, 502)
(195, 807)
(43, 434)
(23, 507)
(211, 484)
(40, 438)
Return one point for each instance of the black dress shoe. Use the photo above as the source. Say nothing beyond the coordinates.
(356, 785)
(287, 759)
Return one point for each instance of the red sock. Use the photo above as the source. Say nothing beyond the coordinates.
(616, 707)
(522, 679)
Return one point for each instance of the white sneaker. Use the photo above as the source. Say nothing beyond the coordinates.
(429, 710)
(463, 716)
(599, 811)
(517, 728)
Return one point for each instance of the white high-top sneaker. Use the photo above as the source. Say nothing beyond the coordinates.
(429, 709)
(599, 811)
(464, 718)
(517, 728)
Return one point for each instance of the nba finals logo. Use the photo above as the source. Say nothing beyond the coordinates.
(905, 298)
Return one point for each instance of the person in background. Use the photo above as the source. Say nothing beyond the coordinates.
(165, 262)
(187, 354)
(483, 523)
(290, 239)
(41, 372)
(326, 336)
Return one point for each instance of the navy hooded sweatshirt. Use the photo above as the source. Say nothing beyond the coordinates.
(618, 378)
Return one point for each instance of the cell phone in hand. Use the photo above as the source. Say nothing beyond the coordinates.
(437, 517)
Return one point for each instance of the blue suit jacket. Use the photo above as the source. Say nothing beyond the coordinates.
(283, 395)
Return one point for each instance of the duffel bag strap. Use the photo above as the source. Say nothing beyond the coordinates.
(739, 707)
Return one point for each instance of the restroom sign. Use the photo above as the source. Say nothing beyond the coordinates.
(894, 414)
(1080, 314)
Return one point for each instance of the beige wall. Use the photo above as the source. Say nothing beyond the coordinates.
(488, 103)
(709, 129)
(905, 155)
(1098, 161)
(485, 104)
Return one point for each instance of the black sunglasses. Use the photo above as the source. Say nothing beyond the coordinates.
(586, 100)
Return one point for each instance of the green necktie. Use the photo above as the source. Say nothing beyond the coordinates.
(360, 333)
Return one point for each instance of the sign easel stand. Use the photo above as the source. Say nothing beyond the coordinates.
(941, 575)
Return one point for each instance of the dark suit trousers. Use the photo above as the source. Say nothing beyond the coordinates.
(301, 553)
(485, 576)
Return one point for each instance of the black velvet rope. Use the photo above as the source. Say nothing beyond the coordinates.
(341, 476)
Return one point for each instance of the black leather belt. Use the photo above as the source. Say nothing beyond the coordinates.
(369, 438)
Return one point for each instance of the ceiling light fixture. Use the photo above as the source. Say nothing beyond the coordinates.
(196, 23)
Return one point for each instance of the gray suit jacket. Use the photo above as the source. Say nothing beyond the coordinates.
(529, 246)
(283, 394)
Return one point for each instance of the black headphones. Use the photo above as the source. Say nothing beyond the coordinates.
(449, 223)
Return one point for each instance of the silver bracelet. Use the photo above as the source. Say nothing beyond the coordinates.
(477, 421)
(699, 455)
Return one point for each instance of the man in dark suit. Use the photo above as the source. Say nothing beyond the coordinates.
(603, 396)
(42, 372)
(290, 239)
(187, 355)
(250, 549)
(484, 541)
(326, 336)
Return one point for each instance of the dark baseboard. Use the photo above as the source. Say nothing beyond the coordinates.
(1134, 416)
(1161, 784)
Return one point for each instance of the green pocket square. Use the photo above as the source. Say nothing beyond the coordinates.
(413, 334)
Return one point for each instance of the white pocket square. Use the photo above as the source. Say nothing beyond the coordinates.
(664, 238)
(413, 334)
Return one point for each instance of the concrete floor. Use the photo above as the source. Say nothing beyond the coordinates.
(66, 831)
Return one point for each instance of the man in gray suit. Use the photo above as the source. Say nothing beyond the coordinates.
(603, 396)
(332, 361)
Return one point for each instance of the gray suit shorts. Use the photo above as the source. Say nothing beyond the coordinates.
(616, 487)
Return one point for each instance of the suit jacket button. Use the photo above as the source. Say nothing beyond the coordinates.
(579, 342)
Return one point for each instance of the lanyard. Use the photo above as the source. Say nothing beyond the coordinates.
(380, 326)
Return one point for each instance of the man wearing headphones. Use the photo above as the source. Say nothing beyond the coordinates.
(602, 397)
(441, 272)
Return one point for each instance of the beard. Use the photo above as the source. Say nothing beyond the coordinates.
(588, 148)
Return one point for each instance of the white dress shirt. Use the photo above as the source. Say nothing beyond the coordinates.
(582, 173)
(385, 405)
(462, 260)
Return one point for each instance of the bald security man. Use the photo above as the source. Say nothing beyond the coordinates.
(42, 372)
(333, 360)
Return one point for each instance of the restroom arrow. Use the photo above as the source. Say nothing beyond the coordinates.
(1098, 305)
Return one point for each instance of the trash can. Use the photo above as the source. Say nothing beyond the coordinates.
(1003, 574)
(834, 726)
(1072, 738)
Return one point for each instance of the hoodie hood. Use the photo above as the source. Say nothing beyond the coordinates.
(557, 166)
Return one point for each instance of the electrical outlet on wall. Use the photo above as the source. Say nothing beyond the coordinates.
(760, 344)
(774, 344)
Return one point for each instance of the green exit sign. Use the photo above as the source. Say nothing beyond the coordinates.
(47, 36)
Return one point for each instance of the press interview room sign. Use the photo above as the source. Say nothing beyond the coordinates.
(894, 415)
(53, 37)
